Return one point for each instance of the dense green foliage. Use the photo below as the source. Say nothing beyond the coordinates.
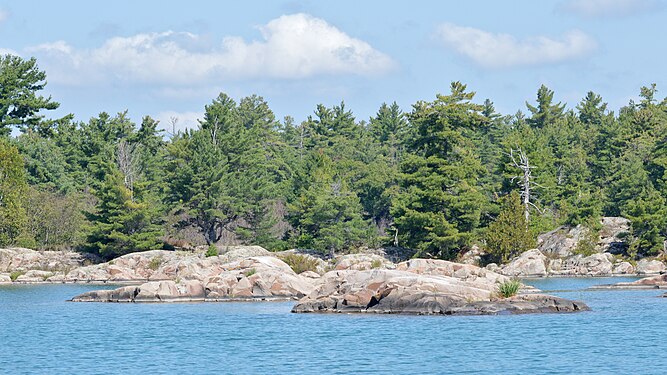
(449, 174)
(13, 188)
(509, 234)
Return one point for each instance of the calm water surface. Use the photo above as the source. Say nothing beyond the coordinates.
(40, 333)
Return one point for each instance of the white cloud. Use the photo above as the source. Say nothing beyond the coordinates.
(608, 8)
(292, 47)
(178, 121)
(503, 50)
(3, 15)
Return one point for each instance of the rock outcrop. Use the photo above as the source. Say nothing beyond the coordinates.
(255, 278)
(20, 259)
(361, 262)
(650, 267)
(531, 263)
(404, 292)
(652, 282)
(155, 291)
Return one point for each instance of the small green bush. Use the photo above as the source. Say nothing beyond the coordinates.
(509, 288)
(155, 263)
(586, 245)
(377, 263)
(15, 275)
(300, 263)
(250, 272)
(212, 251)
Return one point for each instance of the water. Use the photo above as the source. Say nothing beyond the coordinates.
(40, 333)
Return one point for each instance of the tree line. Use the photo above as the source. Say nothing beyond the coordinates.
(449, 174)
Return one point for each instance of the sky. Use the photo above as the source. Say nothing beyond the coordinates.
(168, 59)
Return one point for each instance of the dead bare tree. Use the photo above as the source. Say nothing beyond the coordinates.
(127, 159)
(525, 181)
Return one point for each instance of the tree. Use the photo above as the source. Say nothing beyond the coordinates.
(20, 80)
(509, 235)
(13, 188)
(439, 204)
(545, 112)
(123, 222)
(327, 216)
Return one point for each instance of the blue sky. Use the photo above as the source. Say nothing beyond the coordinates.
(169, 59)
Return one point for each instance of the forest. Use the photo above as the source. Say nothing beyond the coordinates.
(439, 178)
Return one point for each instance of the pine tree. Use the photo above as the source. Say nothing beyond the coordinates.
(509, 235)
(123, 221)
(327, 216)
(439, 205)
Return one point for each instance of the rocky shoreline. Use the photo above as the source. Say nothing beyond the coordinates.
(353, 283)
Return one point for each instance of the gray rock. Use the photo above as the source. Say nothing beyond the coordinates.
(254, 278)
(362, 262)
(650, 267)
(5, 278)
(531, 263)
(578, 265)
(561, 242)
(623, 268)
(652, 282)
(612, 234)
(20, 259)
(403, 292)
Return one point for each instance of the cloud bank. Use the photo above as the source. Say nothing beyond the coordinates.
(292, 47)
(608, 8)
(491, 50)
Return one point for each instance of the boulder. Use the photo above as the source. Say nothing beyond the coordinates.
(256, 278)
(623, 268)
(612, 234)
(472, 256)
(362, 262)
(561, 242)
(465, 272)
(402, 292)
(233, 253)
(650, 267)
(531, 263)
(652, 282)
(578, 265)
(20, 259)
(34, 276)
(154, 291)
(5, 278)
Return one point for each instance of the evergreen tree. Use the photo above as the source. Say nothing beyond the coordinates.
(439, 205)
(13, 189)
(509, 235)
(326, 217)
(20, 80)
(123, 222)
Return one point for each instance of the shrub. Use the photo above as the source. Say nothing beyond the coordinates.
(300, 263)
(15, 275)
(586, 245)
(377, 263)
(509, 288)
(250, 272)
(155, 263)
(212, 251)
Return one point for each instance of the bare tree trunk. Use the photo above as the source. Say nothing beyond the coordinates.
(525, 181)
(127, 160)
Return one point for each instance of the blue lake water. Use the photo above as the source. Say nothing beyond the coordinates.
(40, 333)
